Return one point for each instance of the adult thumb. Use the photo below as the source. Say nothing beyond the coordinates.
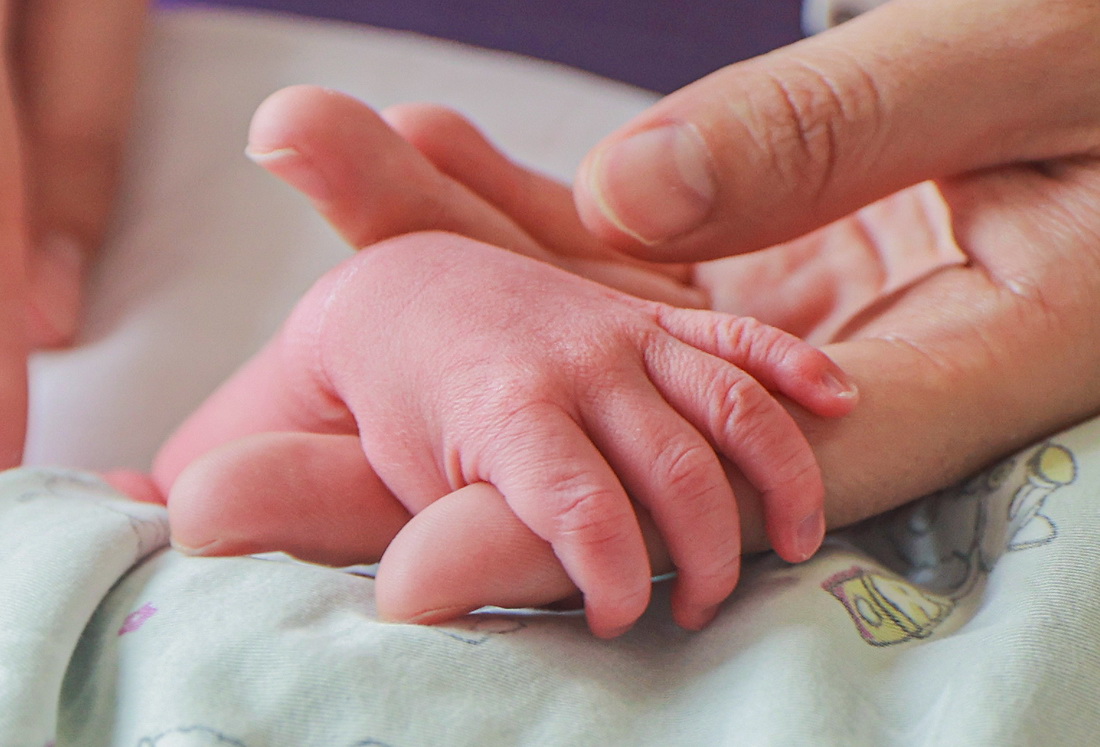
(766, 150)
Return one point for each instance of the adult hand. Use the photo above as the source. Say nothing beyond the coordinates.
(772, 148)
(1000, 103)
(66, 81)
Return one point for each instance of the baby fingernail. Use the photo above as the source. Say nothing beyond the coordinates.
(810, 532)
(615, 632)
(654, 185)
(295, 169)
(703, 618)
(195, 551)
(433, 617)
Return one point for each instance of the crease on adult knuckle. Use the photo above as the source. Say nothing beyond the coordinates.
(804, 111)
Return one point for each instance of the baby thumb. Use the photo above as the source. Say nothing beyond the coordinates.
(769, 149)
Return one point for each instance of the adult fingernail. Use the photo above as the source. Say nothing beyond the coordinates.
(295, 169)
(655, 185)
(56, 278)
(809, 534)
(839, 385)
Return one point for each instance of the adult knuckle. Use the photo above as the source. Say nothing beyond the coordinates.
(808, 113)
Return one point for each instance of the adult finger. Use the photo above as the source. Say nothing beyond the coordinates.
(75, 64)
(768, 149)
(367, 181)
(464, 551)
(467, 550)
(541, 206)
(371, 184)
(311, 495)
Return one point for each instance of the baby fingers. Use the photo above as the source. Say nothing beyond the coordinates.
(560, 486)
(671, 470)
(777, 359)
(751, 428)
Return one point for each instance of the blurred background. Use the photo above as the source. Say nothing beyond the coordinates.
(660, 45)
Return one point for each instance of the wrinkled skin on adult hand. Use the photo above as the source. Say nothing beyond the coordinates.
(966, 308)
(1000, 105)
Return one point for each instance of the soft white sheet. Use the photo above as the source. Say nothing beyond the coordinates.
(971, 618)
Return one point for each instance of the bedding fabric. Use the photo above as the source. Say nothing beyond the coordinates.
(971, 617)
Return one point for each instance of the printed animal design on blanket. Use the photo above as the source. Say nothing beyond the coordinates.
(887, 609)
(936, 550)
(1049, 469)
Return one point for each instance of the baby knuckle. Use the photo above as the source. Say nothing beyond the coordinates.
(685, 467)
(591, 517)
(793, 478)
(633, 600)
(717, 575)
(507, 425)
(740, 404)
(752, 340)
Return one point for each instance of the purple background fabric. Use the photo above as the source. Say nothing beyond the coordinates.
(657, 44)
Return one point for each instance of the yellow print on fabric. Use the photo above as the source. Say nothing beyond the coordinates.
(939, 548)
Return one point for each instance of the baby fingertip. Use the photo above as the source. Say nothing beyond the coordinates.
(209, 548)
(698, 619)
(610, 633)
(427, 617)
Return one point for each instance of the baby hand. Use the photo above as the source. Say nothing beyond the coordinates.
(460, 363)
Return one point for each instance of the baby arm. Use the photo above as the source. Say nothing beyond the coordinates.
(436, 363)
